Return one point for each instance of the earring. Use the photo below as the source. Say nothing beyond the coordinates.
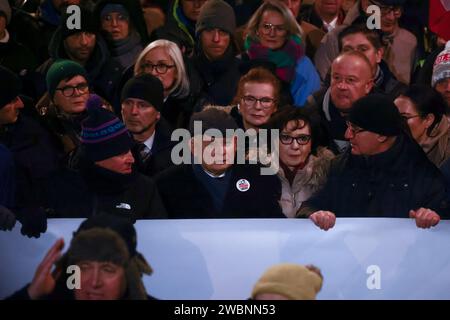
(239, 106)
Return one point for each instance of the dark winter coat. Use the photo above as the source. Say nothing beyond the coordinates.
(185, 196)
(103, 72)
(389, 184)
(219, 79)
(93, 190)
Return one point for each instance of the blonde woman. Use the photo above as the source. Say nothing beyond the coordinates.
(164, 60)
(274, 35)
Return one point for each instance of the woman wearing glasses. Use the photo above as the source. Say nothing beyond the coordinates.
(63, 107)
(423, 109)
(274, 36)
(122, 22)
(303, 164)
(164, 60)
(257, 98)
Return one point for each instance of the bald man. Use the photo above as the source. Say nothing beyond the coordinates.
(351, 79)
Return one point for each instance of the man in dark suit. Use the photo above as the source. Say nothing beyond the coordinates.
(142, 100)
(212, 185)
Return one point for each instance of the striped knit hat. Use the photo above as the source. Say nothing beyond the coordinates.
(103, 135)
(441, 67)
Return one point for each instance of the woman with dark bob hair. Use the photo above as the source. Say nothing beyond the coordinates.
(423, 109)
(303, 163)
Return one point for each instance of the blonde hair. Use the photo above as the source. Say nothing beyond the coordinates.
(181, 86)
(291, 25)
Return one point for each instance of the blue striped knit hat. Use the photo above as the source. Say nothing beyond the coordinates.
(103, 135)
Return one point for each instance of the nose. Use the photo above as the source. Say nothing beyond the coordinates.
(216, 37)
(96, 278)
(272, 32)
(114, 21)
(295, 145)
(342, 85)
(129, 158)
(197, 3)
(19, 103)
(84, 38)
(134, 108)
(348, 134)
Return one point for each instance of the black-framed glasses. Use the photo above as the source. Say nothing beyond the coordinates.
(354, 130)
(387, 9)
(266, 28)
(265, 102)
(301, 139)
(161, 68)
(69, 91)
(406, 117)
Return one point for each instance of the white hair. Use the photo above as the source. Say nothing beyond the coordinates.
(181, 85)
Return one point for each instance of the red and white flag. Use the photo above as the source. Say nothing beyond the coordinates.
(440, 18)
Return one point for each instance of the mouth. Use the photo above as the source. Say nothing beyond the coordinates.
(94, 296)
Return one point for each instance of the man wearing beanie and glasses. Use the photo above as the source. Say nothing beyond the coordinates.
(86, 47)
(383, 174)
(106, 181)
(142, 100)
(215, 52)
(104, 248)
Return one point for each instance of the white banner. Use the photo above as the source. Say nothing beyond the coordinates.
(222, 259)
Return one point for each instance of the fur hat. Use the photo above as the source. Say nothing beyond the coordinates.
(441, 67)
(113, 239)
(293, 281)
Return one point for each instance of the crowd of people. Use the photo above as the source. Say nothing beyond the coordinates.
(90, 116)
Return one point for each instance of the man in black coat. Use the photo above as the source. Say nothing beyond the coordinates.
(86, 47)
(142, 100)
(214, 58)
(383, 174)
(213, 186)
(105, 181)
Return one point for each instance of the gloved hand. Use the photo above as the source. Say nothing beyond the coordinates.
(7, 219)
(34, 221)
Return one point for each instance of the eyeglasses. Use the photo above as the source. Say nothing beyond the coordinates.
(267, 28)
(301, 139)
(266, 102)
(354, 130)
(114, 16)
(161, 68)
(406, 118)
(385, 10)
(69, 91)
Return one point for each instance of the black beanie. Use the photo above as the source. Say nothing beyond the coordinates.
(87, 23)
(213, 118)
(376, 113)
(145, 87)
(103, 135)
(216, 14)
(11, 86)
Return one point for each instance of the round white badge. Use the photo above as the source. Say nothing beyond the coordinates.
(243, 185)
